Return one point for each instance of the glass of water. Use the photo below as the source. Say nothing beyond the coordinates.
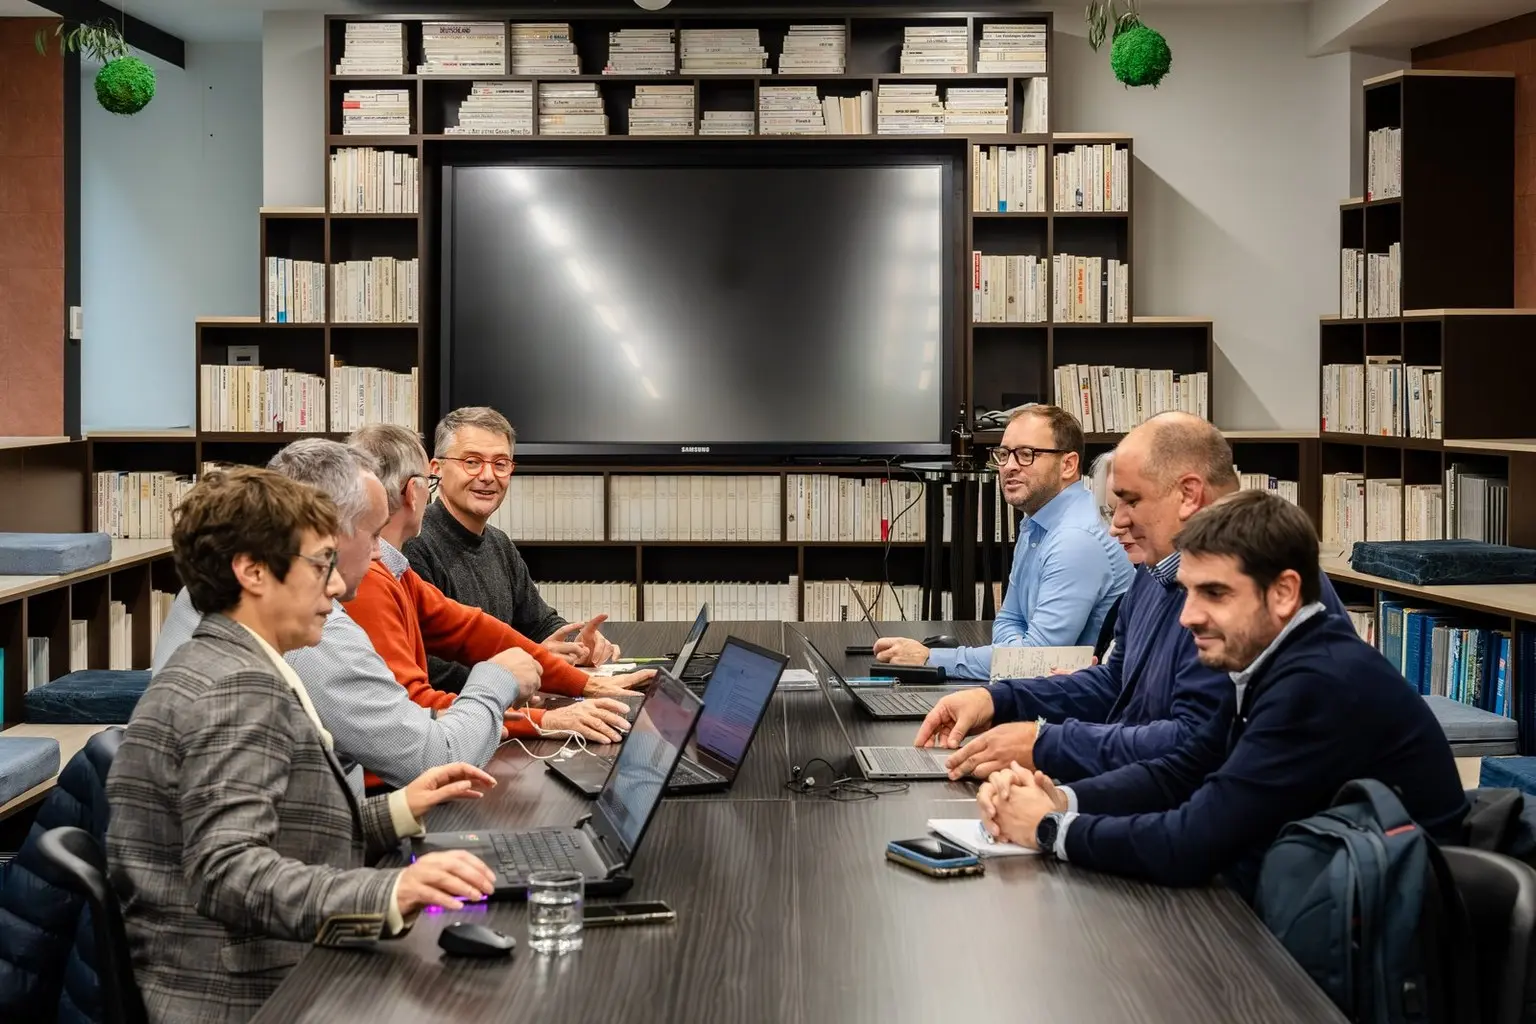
(554, 911)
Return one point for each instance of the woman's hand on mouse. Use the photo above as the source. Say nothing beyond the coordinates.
(899, 650)
(446, 878)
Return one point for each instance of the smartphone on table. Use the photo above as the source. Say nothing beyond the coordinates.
(602, 915)
(933, 856)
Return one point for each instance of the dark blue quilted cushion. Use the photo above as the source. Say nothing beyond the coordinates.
(26, 761)
(1509, 773)
(52, 554)
(92, 697)
(1428, 563)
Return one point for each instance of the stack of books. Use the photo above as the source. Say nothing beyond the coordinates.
(1011, 49)
(972, 111)
(641, 51)
(373, 48)
(1035, 106)
(936, 50)
(134, 505)
(373, 181)
(1008, 289)
(361, 395)
(722, 51)
(1092, 179)
(1008, 179)
(543, 49)
(790, 110)
(728, 122)
(496, 108)
(1090, 290)
(574, 108)
(375, 112)
(661, 110)
(463, 48)
(910, 110)
(814, 50)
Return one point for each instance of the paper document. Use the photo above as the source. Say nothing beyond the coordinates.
(797, 679)
(967, 832)
(1032, 662)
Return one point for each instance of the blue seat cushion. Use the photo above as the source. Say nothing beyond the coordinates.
(1474, 732)
(1429, 563)
(52, 554)
(92, 697)
(1509, 773)
(26, 761)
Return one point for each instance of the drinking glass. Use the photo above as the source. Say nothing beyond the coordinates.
(554, 911)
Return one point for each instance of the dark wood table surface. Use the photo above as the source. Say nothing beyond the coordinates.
(788, 911)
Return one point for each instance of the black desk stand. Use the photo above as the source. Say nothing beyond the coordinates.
(970, 486)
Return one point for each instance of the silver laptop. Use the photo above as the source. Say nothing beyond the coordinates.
(892, 700)
(875, 763)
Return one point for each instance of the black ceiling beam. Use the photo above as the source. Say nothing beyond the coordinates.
(139, 34)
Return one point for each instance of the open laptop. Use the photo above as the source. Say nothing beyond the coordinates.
(904, 762)
(603, 844)
(690, 666)
(735, 702)
(892, 701)
(859, 650)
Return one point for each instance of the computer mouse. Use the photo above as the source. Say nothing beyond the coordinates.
(465, 938)
(942, 640)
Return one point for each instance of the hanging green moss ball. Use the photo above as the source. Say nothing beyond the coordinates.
(1140, 56)
(125, 85)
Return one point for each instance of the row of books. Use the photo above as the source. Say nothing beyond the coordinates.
(1286, 489)
(119, 641)
(820, 507)
(1384, 164)
(1008, 289)
(1090, 290)
(1383, 398)
(935, 50)
(1370, 284)
(1476, 505)
(250, 399)
(1008, 179)
(1114, 399)
(697, 507)
(1363, 618)
(1092, 179)
(495, 108)
(295, 291)
(381, 290)
(373, 181)
(463, 48)
(571, 108)
(1356, 508)
(722, 51)
(1439, 654)
(557, 507)
(790, 110)
(661, 110)
(579, 601)
(372, 48)
(547, 48)
(641, 51)
(916, 109)
(361, 395)
(138, 504)
(376, 112)
(740, 602)
(1011, 49)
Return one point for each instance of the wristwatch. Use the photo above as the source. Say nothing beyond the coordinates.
(1046, 832)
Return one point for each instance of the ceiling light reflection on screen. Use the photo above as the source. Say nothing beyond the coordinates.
(520, 180)
(609, 318)
(579, 274)
(548, 225)
(630, 354)
(924, 379)
(650, 388)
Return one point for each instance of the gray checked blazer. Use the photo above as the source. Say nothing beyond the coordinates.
(235, 840)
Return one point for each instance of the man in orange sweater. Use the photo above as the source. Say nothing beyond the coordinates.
(407, 618)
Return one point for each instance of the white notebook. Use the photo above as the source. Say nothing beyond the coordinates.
(967, 832)
(1032, 662)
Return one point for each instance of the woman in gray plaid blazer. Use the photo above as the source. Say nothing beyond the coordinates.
(235, 840)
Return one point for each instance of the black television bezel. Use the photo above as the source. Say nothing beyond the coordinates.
(705, 155)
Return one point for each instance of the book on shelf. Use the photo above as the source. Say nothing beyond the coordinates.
(80, 645)
(1476, 505)
(1356, 509)
(1384, 281)
(820, 507)
(790, 110)
(372, 48)
(1383, 508)
(362, 395)
(697, 507)
(1286, 489)
(1343, 511)
(1425, 388)
(1090, 289)
(661, 110)
(376, 112)
(832, 601)
(571, 108)
(495, 108)
(1384, 164)
(295, 291)
(541, 49)
(373, 181)
(1092, 179)
(1035, 106)
(1363, 618)
(553, 506)
(850, 115)
(728, 602)
(1441, 655)
(581, 600)
(38, 672)
(119, 637)
(1343, 398)
(723, 51)
(1114, 399)
(1005, 521)
(160, 603)
(1008, 289)
(138, 504)
(1011, 49)
(381, 290)
(1351, 283)
(814, 50)
(251, 399)
(936, 50)
(1423, 511)
(1008, 179)
(728, 122)
(975, 110)
(463, 48)
(909, 109)
(641, 51)
(1384, 396)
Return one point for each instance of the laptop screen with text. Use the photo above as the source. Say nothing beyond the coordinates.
(740, 686)
(647, 758)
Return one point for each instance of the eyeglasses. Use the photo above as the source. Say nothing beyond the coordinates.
(432, 481)
(324, 564)
(1024, 455)
(473, 464)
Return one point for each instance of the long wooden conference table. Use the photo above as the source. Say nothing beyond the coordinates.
(788, 911)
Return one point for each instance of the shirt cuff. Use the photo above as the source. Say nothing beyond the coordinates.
(1071, 798)
(394, 921)
(400, 814)
(1060, 849)
(945, 658)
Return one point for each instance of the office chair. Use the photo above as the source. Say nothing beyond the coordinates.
(1499, 893)
(76, 862)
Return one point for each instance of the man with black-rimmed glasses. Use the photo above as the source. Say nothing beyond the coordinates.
(1067, 571)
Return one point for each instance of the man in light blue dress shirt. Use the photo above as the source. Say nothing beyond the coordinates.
(1067, 571)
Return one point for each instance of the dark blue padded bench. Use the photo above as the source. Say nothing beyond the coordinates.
(52, 554)
(1509, 773)
(92, 697)
(1474, 732)
(26, 761)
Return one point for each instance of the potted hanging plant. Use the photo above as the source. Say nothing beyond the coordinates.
(1138, 55)
(125, 84)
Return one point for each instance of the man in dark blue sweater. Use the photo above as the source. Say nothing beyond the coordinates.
(1152, 694)
(1314, 708)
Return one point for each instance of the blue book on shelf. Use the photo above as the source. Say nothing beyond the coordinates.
(1391, 639)
(1501, 683)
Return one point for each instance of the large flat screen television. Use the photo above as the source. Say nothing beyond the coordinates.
(703, 307)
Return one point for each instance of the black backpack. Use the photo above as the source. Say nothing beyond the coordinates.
(1362, 898)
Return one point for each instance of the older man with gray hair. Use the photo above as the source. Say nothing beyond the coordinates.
(372, 721)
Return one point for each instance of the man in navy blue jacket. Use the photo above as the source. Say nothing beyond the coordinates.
(1151, 694)
(1314, 708)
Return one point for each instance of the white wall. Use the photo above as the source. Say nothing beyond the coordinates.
(293, 117)
(168, 230)
(1242, 155)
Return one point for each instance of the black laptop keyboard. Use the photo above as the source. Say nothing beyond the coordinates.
(685, 774)
(520, 853)
(897, 702)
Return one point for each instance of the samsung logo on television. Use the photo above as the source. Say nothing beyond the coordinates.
(695, 449)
